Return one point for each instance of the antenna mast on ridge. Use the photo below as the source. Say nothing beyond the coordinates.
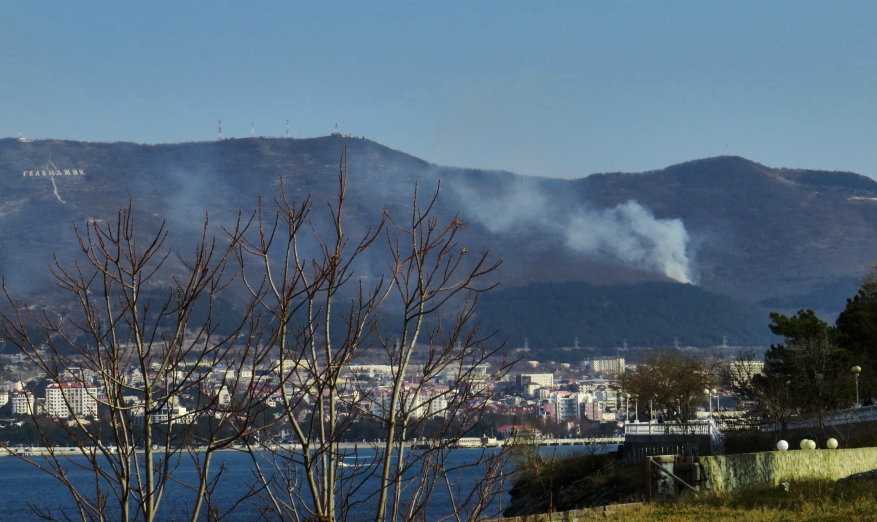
(287, 128)
(219, 131)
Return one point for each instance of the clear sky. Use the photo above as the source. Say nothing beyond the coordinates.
(560, 89)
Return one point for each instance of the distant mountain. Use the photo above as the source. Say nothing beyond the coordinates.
(790, 236)
(752, 237)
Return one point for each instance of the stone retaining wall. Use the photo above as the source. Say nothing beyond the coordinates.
(728, 472)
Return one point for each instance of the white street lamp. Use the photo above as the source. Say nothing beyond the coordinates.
(710, 393)
(709, 401)
(856, 370)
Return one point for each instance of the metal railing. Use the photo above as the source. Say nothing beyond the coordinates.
(671, 428)
(836, 418)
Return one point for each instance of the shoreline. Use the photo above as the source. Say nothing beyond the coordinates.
(38, 451)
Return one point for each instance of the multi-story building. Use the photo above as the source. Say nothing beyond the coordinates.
(23, 402)
(71, 399)
(742, 372)
(169, 414)
(545, 380)
(561, 407)
(223, 397)
(417, 404)
(604, 365)
(593, 410)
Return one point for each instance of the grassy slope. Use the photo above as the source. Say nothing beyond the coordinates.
(594, 480)
(810, 500)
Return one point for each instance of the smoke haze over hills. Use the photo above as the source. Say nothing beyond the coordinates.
(781, 238)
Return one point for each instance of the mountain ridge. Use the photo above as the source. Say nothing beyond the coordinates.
(771, 237)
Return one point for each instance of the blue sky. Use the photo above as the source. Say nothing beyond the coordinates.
(560, 89)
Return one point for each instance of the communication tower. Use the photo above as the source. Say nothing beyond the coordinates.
(219, 131)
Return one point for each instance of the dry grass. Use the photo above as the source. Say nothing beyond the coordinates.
(812, 500)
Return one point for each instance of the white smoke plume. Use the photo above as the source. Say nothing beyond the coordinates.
(629, 232)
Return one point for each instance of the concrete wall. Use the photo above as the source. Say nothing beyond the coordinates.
(727, 472)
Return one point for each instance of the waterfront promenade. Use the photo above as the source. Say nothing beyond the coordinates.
(469, 442)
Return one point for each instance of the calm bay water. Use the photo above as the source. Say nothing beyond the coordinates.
(22, 484)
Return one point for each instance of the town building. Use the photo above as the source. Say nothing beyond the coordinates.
(561, 406)
(604, 365)
(741, 372)
(23, 402)
(68, 399)
(544, 380)
(417, 404)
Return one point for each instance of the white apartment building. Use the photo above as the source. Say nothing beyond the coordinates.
(223, 397)
(23, 402)
(417, 404)
(741, 372)
(610, 365)
(171, 415)
(545, 380)
(71, 399)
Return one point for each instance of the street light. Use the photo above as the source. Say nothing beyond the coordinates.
(710, 392)
(856, 370)
(709, 401)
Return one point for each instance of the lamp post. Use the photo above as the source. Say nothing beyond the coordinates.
(856, 370)
(710, 392)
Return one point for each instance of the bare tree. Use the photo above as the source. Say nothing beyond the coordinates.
(316, 303)
(669, 382)
(323, 316)
(437, 283)
(138, 338)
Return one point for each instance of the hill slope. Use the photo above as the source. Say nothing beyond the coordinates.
(781, 238)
